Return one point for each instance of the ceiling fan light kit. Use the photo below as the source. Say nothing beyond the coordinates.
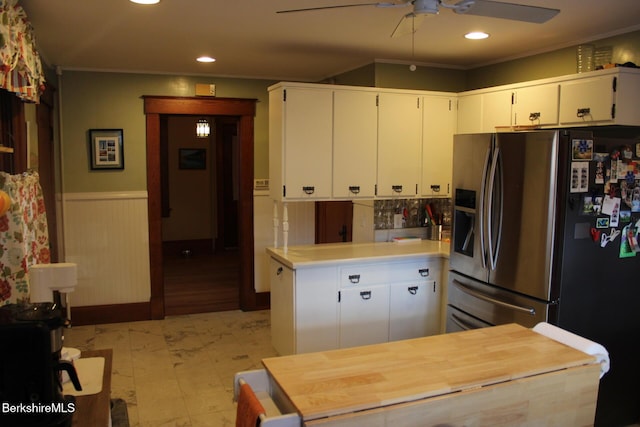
(411, 21)
(487, 8)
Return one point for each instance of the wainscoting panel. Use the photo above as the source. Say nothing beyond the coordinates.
(107, 235)
(301, 232)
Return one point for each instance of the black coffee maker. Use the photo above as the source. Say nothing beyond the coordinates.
(31, 369)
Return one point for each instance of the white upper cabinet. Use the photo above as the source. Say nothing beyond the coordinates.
(536, 105)
(601, 97)
(438, 127)
(496, 110)
(300, 142)
(469, 113)
(587, 100)
(355, 138)
(347, 142)
(399, 144)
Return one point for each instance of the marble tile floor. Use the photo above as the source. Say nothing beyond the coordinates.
(179, 371)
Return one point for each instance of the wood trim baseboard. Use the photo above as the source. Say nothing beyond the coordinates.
(263, 301)
(114, 313)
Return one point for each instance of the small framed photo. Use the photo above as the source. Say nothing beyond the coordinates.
(192, 158)
(582, 149)
(106, 148)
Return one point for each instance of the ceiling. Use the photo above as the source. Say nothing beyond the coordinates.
(250, 40)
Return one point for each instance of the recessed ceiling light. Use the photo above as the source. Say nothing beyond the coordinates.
(145, 1)
(476, 35)
(206, 59)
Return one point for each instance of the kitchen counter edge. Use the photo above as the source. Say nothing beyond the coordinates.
(347, 253)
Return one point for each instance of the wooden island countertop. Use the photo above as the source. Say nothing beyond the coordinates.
(344, 253)
(329, 384)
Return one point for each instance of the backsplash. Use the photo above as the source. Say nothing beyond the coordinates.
(412, 211)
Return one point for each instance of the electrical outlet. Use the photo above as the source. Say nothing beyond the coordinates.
(261, 184)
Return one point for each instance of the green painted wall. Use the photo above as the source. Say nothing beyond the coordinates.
(625, 48)
(363, 76)
(94, 100)
(399, 76)
(113, 100)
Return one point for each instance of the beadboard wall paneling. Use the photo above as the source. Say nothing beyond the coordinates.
(301, 232)
(107, 235)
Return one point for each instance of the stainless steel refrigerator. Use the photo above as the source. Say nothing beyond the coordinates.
(545, 228)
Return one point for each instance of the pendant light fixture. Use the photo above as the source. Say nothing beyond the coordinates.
(202, 128)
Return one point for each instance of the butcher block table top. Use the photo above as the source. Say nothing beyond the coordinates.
(335, 382)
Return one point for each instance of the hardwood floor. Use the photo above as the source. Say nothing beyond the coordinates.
(201, 282)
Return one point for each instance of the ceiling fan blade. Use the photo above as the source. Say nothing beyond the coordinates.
(516, 12)
(408, 24)
(338, 7)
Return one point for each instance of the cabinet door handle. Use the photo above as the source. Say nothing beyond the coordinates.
(354, 278)
(397, 188)
(365, 295)
(355, 189)
(279, 271)
(534, 116)
(583, 112)
(309, 189)
(424, 272)
(413, 290)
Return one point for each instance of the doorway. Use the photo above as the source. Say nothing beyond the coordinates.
(199, 225)
(334, 221)
(156, 108)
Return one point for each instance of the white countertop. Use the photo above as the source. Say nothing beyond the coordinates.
(343, 253)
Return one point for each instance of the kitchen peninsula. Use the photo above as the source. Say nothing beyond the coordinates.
(339, 295)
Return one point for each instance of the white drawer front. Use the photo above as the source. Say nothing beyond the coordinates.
(371, 274)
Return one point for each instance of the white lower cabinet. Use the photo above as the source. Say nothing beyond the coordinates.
(327, 307)
(282, 308)
(364, 315)
(413, 310)
(304, 309)
(389, 301)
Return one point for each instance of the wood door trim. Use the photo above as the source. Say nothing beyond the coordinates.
(154, 107)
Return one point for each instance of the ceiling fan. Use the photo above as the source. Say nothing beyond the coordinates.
(422, 8)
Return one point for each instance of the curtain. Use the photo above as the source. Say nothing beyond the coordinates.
(24, 235)
(20, 66)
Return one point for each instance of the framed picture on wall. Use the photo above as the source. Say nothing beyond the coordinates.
(193, 158)
(106, 148)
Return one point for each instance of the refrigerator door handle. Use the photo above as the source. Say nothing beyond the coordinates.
(525, 309)
(481, 208)
(461, 323)
(496, 175)
(489, 217)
